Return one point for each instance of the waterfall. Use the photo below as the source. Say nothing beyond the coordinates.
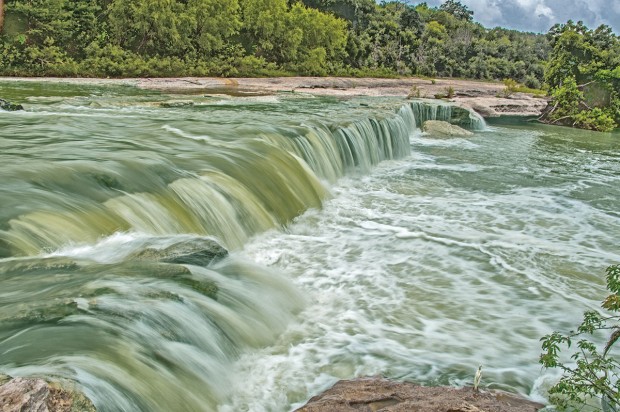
(109, 276)
(243, 188)
(436, 110)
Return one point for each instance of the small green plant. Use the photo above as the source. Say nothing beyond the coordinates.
(414, 92)
(593, 374)
(511, 87)
(450, 92)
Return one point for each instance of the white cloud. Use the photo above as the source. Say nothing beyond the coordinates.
(540, 15)
(542, 10)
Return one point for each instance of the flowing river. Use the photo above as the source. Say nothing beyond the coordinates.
(357, 245)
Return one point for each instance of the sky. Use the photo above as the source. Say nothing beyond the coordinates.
(539, 15)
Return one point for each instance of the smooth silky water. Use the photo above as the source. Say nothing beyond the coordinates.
(358, 246)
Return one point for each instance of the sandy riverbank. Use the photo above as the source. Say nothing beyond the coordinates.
(484, 97)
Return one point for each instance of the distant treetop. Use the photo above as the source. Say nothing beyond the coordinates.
(458, 10)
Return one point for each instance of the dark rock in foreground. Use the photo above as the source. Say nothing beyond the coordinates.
(10, 107)
(37, 395)
(383, 395)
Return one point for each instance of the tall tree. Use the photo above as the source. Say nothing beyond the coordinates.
(458, 10)
(148, 27)
(1, 15)
(266, 30)
(583, 74)
(212, 24)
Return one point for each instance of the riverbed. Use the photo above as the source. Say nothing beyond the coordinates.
(357, 244)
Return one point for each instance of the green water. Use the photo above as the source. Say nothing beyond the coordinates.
(358, 246)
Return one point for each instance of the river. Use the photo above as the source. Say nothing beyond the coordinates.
(357, 245)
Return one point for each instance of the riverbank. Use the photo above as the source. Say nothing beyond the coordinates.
(487, 98)
(380, 394)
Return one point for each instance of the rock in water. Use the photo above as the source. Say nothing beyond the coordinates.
(177, 103)
(441, 128)
(379, 394)
(200, 252)
(10, 107)
(36, 395)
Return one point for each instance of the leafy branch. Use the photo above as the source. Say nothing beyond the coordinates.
(592, 374)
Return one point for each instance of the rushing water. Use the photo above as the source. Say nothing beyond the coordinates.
(358, 246)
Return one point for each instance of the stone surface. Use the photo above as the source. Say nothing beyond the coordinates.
(467, 93)
(10, 107)
(195, 252)
(177, 103)
(36, 395)
(383, 395)
(493, 106)
(441, 128)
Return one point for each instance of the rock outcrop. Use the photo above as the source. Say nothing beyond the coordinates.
(383, 395)
(200, 252)
(518, 104)
(37, 395)
(10, 107)
(441, 129)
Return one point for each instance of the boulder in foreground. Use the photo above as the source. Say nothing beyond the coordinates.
(441, 128)
(37, 395)
(379, 394)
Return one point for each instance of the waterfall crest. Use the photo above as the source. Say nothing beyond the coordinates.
(111, 269)
(243, 187)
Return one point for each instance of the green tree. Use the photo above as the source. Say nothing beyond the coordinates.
(592, 374)
(323, 39)
(580, 75)
(458, 10)
(149, 27)
(1, 15)
(266, 32)
(212, 23)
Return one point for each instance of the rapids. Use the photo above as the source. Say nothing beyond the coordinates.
(357, 245)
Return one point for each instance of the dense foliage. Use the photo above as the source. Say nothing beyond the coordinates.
(261, 37)
(590, 380)
(583, 75)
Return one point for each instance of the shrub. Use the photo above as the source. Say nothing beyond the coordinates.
(531, 82)
(594, 375)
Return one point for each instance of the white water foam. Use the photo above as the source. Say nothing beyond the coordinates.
(422, 280)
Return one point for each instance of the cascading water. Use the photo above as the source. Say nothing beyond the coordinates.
(349, 253)
(436, 110)
(95, 218)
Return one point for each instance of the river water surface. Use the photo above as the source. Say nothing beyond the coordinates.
(358, 245)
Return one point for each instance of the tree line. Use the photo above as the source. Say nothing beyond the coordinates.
(578, 66)
(261, 38)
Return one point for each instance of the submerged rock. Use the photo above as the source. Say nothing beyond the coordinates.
(379, 394)
(31, 266)
(441, 128)
(177, 103)
(195, 252)
(10, 107)
(37, 395)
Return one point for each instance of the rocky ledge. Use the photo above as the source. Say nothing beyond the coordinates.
(382, 395)
(37, 395)
(486, 97)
